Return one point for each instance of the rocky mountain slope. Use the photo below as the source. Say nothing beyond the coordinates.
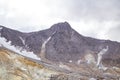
(61, 43)
(57, 53)
(16, 67)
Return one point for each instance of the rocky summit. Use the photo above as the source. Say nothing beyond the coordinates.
(62, 51)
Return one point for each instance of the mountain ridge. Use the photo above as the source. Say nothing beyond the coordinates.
(61, 43)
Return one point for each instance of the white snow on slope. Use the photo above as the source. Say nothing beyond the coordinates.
(45, 42)
(100, 54)
(23, 41)
(13, 48)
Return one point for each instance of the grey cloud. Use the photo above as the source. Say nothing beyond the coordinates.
(90, 9)
(114, 33)
(75, 11)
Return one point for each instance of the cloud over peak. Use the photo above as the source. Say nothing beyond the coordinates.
(90, 17)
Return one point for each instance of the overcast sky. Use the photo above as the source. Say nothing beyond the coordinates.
(94, 18)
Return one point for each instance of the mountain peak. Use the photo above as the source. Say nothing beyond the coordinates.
(61, 43)
(61, 26)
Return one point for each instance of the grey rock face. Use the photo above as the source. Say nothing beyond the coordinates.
(65, 43)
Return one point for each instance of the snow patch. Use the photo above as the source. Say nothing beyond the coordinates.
(92, 79)
(25, 53)
(116, 68)
(70, 61)
(23, 41)
(103, 68)
(100, 54)
(44, 43)
(79, 61)
(89, 58)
